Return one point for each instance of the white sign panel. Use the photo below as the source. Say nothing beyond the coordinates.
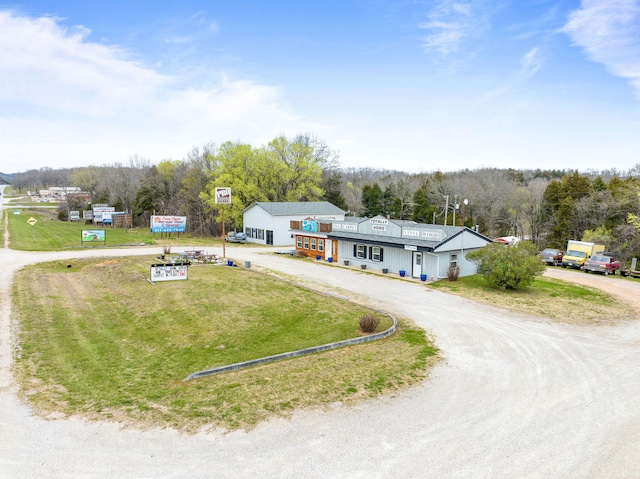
(169, 272)
(74, 216)
(100, 210)
(434, 235)
(338, 226)
(379, 221)
(223, 196)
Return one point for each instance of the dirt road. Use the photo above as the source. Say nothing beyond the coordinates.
(515, 397)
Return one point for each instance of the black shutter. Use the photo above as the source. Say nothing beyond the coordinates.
(370, 252)
(381, 255)
(355, 250)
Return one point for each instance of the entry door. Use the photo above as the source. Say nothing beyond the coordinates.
(417, 264)
(270, 237)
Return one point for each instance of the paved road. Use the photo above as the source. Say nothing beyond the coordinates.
(515, 397)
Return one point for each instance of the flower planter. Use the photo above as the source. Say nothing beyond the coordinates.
(402, 273)
(385, 270)
(363, 266)
(318, 257)
(330, 260)
(346, 262)
(423, 277)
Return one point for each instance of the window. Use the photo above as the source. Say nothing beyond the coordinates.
(320, 245)
(376, 253)
(453, 260)
(306, 242)
(313, 244)
(299, 242)
(359, 251)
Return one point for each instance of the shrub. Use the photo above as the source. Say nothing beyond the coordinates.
(508, 267)
(369, 323)
(453, 272)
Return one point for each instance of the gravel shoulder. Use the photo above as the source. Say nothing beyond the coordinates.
(515, 396)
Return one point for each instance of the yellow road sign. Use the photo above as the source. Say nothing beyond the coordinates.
(32, 221)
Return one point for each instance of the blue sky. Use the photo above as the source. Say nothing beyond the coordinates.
(417, 86)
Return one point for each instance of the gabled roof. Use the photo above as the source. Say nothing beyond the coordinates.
(288, 208)
(449, 233)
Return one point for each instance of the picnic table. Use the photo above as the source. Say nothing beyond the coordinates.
(204, 258)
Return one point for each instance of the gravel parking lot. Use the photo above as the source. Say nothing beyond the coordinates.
(514, 397)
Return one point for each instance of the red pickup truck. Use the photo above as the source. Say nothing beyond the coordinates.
(602, 264)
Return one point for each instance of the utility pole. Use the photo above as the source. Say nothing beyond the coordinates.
(455, 207)
(446, 208)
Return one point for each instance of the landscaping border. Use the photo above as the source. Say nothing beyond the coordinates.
(301, 352)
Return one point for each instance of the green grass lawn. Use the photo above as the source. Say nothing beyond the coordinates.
(97, 339)
(50, 234)
(546, 297)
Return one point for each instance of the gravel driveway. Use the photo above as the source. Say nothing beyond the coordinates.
(515, 397)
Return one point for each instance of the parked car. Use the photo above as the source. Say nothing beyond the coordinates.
(602, 264)
(551, 256)
(235, 237)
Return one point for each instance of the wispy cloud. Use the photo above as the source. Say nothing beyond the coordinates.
(448, 24)
(531, 62)
(61, 89)
(609, 32)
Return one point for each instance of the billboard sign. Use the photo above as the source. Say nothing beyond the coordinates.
(223, 196)
(168, 224)
(94, 236)
(168, 272)
(74, 216)
(99, 212)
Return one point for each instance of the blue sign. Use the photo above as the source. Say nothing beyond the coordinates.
(309, 225)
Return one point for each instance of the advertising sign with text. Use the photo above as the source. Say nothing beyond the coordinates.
(168, 224)
(223, 196)
(168, 272)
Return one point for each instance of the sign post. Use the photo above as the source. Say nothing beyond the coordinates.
(32, 221)
(223, 197)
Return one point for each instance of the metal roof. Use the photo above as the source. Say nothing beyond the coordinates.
(378, 239)
(289, 208)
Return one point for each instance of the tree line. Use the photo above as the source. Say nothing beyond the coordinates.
(547, 207)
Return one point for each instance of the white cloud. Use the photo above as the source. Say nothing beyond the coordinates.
(449, 23)
(609, 32)
(531, 62)
(67, 101)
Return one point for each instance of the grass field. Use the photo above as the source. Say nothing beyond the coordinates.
(546, 297)
(50, 234)
(98, 340)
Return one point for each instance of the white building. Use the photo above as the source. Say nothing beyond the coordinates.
(418, 250)
(268, 223)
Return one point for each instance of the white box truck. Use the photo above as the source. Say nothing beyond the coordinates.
(578, 252)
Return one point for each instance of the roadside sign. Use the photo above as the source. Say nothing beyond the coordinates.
(32, 221)
(223, 196)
